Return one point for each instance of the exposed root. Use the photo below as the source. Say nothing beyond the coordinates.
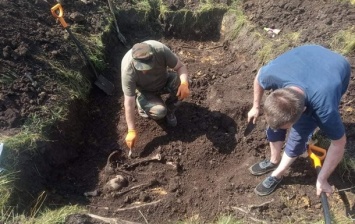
(250, 207)
(132, 188)
(98, 207)
(151, 183)
(249, 215)
(241, 209)
(211, 48)
(138, 206)
(111, 220)
(108, 168)
(257, 220)
(123, 171)
(146, 221)
(345, 189)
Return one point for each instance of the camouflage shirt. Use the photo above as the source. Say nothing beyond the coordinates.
(155, 79)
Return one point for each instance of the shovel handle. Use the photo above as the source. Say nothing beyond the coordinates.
(317, 158)
(325, 204)
(326, 210)
(58, 8)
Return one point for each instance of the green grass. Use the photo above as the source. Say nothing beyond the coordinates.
(8, 77)
(143, 5)
(71, 85)
(347, 167)
(272, 47)
(206, 5)
(344, 41)
(6, 180)
(56, 216)
(71, 81)
(240, 21)
(228, 220)
(351, 1)
(222, 219)
(94, 49)
(162, 8)
(34, 128)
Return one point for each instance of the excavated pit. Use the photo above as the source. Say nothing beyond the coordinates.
(203, 171)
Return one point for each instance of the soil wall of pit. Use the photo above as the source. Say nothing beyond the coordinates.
(66, 139)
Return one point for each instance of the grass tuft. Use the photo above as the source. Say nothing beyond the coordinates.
(222, 219)
(273, 47)
(57, 216)
(228, 220)
(7, 213)
(344, 41)
(351, 1)
(8, 77)
(240, 21)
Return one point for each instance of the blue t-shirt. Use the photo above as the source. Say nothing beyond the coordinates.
(322, 74)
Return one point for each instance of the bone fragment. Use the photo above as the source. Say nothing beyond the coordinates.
(91, 193)
(137, 206)
(115, 184)
(111, 220)
(156, 157)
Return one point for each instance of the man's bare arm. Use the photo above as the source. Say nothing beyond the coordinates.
(129, 105)
(181, 69)
(334, 156)
(258, 94)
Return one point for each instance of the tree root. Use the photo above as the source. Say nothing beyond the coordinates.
(151, 183)
(138, 206)
(248, 214)
(111, 220)
(250, 208)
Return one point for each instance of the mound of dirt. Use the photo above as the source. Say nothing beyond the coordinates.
(202, 169)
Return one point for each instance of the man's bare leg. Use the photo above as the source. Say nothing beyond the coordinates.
(285, 163)
(276, 151)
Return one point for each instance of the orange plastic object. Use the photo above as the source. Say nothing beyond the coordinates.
(54, 10)
(317, 154)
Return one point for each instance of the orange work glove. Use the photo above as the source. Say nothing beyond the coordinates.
(183, 91)
(131, 138)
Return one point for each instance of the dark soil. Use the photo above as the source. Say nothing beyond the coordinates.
(203, 171)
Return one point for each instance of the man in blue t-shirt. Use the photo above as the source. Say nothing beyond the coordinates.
(308, 83)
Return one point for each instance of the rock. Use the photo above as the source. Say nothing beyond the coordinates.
(6, 51)
(22, 50)
(12, 117)
(115, 184)
(328, 21)
(144, 197)
(77, 17)
(173, 184)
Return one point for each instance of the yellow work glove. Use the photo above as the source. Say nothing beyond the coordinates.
(131, 138)
(183, 91)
